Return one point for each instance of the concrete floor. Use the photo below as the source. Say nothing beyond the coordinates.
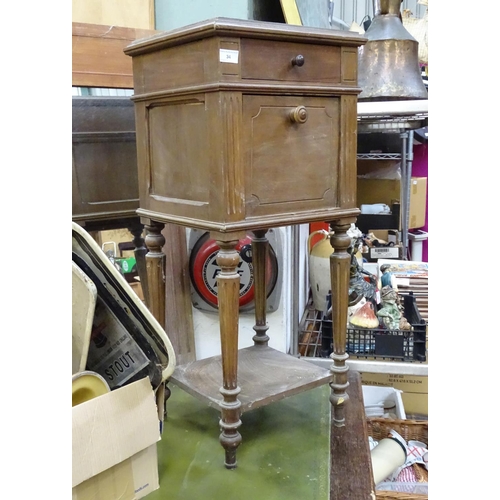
(284, 454)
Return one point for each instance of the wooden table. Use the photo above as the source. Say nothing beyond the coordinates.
(246, 126)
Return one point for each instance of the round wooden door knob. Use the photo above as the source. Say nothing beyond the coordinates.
(299, 114)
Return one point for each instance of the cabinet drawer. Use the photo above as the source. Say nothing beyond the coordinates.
(268, 60)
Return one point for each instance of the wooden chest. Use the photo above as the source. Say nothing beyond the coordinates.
(244, 125)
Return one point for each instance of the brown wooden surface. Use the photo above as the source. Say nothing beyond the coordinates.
(265, 375)
(228, 291)
(224, 130)
(340, 261)
(351, 476)
(260, 250)
(105, 192)
(98, 58)
(249, 144)
(129, 13)
(155, 268)
(104, 170)
(178, 307)
(271, 62)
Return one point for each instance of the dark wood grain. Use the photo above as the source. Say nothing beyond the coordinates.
(265, 375)
(351, 475)
(155, 265)
(232, 137)
(178, 306)
(217, 147)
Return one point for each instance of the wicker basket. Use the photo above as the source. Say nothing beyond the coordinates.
(416, 430)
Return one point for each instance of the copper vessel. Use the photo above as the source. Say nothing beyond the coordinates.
(388, 67)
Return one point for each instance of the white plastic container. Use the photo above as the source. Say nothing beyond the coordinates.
(387, 398)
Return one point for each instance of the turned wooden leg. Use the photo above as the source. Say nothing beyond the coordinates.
(339, 271)
(260, 247)
(140, 257)
(155, 267)
(228, 288)
(155, 292)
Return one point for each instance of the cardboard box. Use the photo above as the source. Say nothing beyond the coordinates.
(114, 444)
(375, 253)
(418, 198)
(388, 191)
(406, 383)
(415, 389)
(386, 235)
(415, 403)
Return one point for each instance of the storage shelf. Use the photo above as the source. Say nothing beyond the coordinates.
(265, 375)
(378, 156)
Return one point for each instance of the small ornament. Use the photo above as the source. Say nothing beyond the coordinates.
(365, 317)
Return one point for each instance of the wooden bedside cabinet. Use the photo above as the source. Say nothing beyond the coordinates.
(246, 126)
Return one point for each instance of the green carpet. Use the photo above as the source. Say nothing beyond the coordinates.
(284, 454)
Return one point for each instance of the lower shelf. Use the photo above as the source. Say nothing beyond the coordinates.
(265, 375)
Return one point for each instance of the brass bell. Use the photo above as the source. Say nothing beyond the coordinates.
(388, 67)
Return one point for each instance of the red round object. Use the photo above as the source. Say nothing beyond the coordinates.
(204, 271)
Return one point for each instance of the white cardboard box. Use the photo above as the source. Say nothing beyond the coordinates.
(114, 444)
(390, 396)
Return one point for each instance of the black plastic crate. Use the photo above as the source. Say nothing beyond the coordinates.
(403, 345)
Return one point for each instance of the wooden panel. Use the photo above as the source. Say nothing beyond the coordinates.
(126, 13)
(179, 171)
(266, 60)
(170, 69)
(104, 158)
(351, 475)
(98, 58)
(106, 174)
(178, 308)
(290, 166)
(258, 369)
(348, 149)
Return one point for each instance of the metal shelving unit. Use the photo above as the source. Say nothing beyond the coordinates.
(395, 118)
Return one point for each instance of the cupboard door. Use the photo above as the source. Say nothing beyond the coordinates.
(291, 148)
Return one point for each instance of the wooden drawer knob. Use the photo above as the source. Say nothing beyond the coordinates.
(299, 114)
(298, 60)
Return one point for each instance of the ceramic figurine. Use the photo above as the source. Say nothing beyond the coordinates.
(358, 286)
(386, 278)
(389, 315)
